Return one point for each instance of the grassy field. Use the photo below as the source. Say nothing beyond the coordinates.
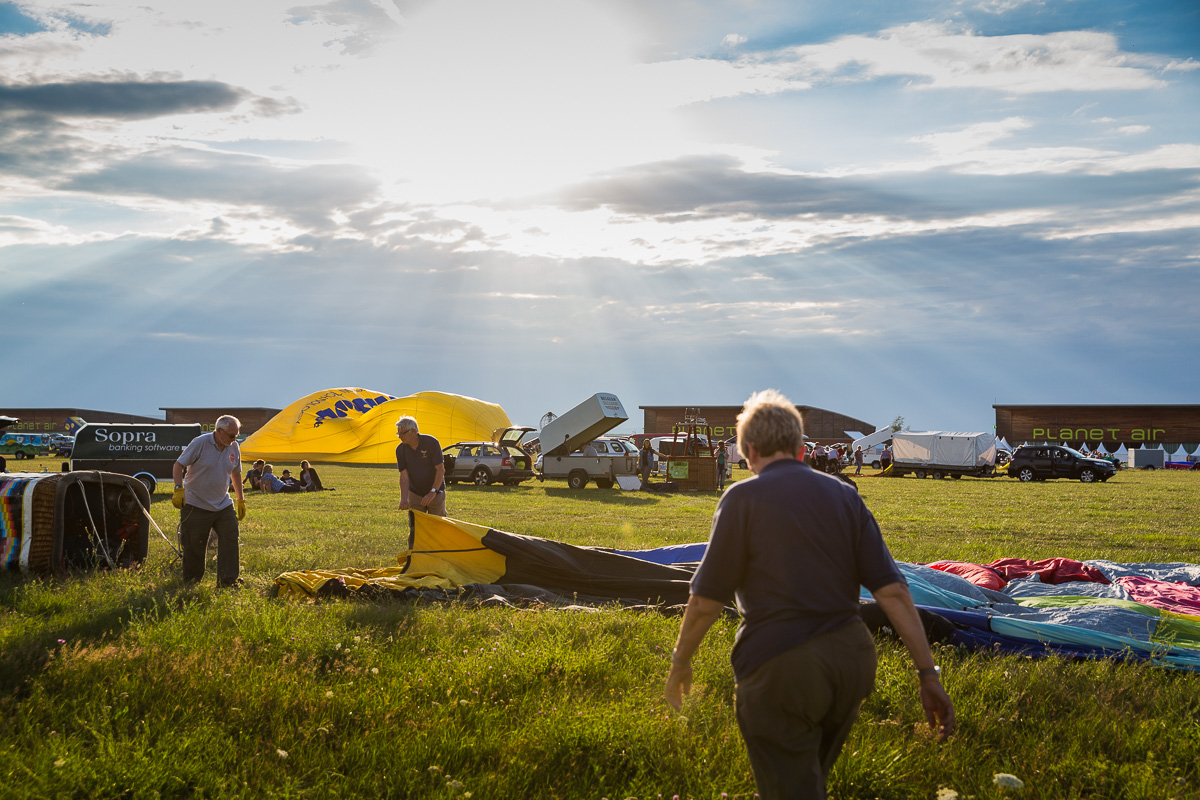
(133, 685)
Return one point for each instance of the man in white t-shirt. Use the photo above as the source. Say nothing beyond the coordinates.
(202, 476)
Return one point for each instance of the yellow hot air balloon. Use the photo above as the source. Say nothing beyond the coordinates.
(358, 426)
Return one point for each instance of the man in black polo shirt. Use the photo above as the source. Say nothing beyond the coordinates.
(793, 546)
(422, 469)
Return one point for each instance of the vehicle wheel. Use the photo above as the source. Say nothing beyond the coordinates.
(937, 475)
(1150, 468)
(876, 465)
(604, 483)
(481, 476)
(920, 473)
(1087, 476)
(20, 454)
(1025, 474)
(577, 480)
(149, 482)
(742, 464)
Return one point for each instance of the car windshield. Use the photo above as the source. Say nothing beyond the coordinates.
(1074, 452)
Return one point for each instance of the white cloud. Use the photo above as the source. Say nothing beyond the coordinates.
(15, 229)
(733, 40)
(1000, 6)
(941, 57)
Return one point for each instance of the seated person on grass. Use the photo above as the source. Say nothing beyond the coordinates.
(290, 480)
(309, 478)
(271, 484)
(254, 474)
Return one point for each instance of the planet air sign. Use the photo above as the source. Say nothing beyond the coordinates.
(1066, 433)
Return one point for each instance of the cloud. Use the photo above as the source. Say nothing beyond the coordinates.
(127, 99)
(938, 56)
(308, 195)
(362, 25)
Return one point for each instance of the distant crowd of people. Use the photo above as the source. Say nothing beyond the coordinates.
(263, 478)
(831, 459)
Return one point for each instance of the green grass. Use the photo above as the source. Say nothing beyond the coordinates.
(132, 685)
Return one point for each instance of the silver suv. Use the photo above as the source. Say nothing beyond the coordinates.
(483, 463)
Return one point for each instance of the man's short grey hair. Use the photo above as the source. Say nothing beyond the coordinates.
(228, 421)
(771, 423)
(406, 424)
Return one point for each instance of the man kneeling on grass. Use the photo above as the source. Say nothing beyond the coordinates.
(792, 546)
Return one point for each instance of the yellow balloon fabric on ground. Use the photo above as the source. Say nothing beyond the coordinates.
(358, 426)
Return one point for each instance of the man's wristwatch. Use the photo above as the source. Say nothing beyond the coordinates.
(930, 671)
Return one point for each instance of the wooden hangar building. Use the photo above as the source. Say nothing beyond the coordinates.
(1112, 426)
(826, 427)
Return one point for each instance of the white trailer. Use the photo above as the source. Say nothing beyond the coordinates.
(564, 435)
(937, 454)
(1147, 458)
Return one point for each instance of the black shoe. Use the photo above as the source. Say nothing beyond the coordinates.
(236, 583)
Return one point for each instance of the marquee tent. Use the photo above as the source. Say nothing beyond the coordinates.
(1092, 609)
(358, 426)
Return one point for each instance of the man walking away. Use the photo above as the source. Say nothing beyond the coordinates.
(793, 546)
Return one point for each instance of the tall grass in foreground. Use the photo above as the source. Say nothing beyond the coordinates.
(133, 685)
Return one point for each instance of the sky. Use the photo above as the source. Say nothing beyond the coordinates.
(884, 209)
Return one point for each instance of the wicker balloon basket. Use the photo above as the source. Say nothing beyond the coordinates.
(52, 523)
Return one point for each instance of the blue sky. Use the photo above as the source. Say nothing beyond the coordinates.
(915, 209)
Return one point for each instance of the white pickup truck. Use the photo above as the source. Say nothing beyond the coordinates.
(574, 431)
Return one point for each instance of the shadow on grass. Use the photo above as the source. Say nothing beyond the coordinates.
(611, 497)
(26, 653)
(385, 614)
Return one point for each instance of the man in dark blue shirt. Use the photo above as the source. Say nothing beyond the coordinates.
(422, 469)
(793, 546)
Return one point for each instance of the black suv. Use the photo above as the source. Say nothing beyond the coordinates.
(1038, 462)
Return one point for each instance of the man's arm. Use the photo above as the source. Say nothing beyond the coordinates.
(404, 499)
(439, 477)
(178, 497)
(699, 616)
(897, 603)
(237, 485)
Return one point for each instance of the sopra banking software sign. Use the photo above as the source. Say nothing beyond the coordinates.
(133, 441)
